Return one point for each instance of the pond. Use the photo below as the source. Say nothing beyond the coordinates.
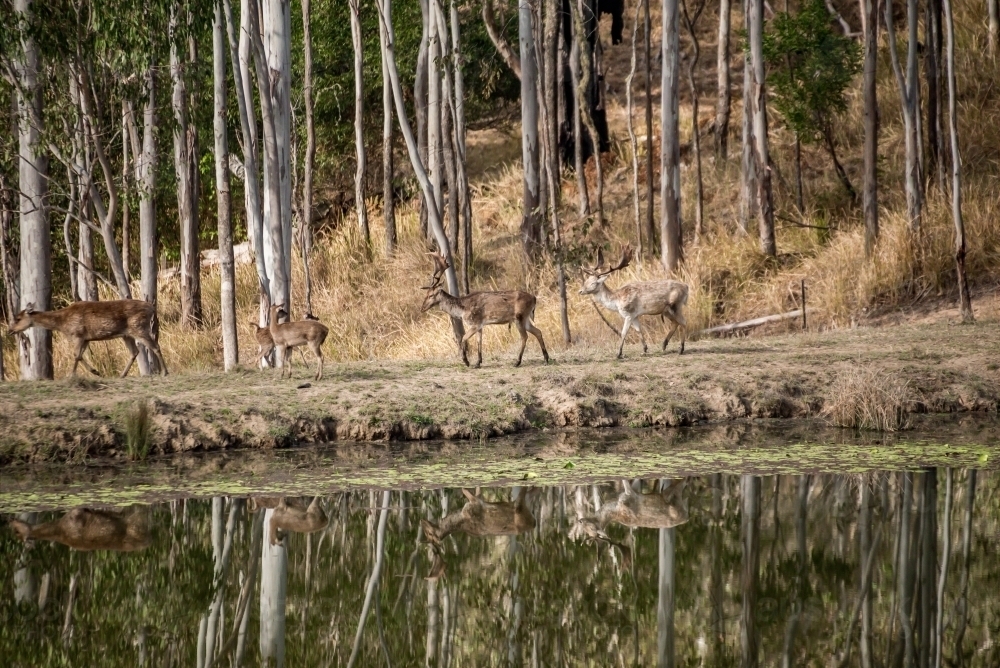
(795, 546)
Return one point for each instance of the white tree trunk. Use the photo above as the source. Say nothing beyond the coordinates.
(530, 219)
(671, 235)
(36, 252)
(434, 148)
(273, 583)
(909, 94)
(665, 600)
(465, 200)
(758, 108)
(359, 123)
(85, 278)
(388, 169)
(227, 270)
(310, 156)
(724, 101)
(748, 166)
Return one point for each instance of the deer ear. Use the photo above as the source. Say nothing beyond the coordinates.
(29, 308)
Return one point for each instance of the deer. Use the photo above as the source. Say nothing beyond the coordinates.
(479, 309)
(265, 342)
(293, 518)
(129, 319)
(287, 335)
(477, 518)
(85, 530)
(665, 298)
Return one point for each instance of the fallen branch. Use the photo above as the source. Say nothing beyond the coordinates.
(756, 322)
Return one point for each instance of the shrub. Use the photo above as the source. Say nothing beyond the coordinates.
(138, 431)
(868, 397)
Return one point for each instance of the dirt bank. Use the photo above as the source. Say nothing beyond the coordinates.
(949, 368)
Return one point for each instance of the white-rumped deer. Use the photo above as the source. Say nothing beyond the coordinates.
(83, 322)
(287, 335)
(664, 298)
(84, 529)
(479, 309)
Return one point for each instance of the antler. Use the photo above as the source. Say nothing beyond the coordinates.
(597, 270)
(440, 266)
(627, 254)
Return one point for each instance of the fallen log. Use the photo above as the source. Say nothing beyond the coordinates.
(756, 322)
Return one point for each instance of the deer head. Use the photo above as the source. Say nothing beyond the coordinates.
(23, 320)
(597, 274)
(434, 288)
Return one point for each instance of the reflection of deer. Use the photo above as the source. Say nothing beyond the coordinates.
(291, 516)
(478, 518)
(84, 529)
(658, 510)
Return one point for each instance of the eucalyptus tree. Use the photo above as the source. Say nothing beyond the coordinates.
(666, 596)
(758, 110)
(434, 146)
(724, 95)
(750, 538)
(531, 228)
(671, 236)
(648, 67)
(585, 85)
(458, 112)
(869, 86)
(361, 170)
(227, 271)
(690, 22)
(909, 95)
(273, 595)
(933, 47)
(388, 168)
(309, 158)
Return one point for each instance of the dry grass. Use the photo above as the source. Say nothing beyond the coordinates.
(867, 397)
(371, 304)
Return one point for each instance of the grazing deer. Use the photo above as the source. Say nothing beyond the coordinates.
(664, 298)
(479, 309)
(265, 342)
(287, 335)
(84, 529)
(477, 518)
(632, 509)
(83, 322)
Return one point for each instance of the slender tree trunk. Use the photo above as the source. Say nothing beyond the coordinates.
(499, 41)
(359, 124)
(871, 122)
(958, 653)
(35, 344)
(8, 274)
(648, 66)
(126, 212)
(928, 566)
(671, 235)
(388, 169)
(716, 587)
(724, 96)
(865, 541)
(433, 212)
(633, 143)
(691, 22)
(434, 148)
(86, 279)
(801, 516)
(530, 219)
(993, 9)
(277, 46)
(758, 106)
(903, 574)
(748, 166)
(945, 558)
(371, 590)
(575, 66)
(222, 539)
(273, 584)
(909, 92)
(449, 147)
(665, 600)
(749, 640)
(587, 87)
(186, 211)
(227, 268)
(310, 156)
(464, 197)
(965, 298)
(932, 72)
(421, 100)
(838, 168)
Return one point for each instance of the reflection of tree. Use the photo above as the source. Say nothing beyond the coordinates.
(750, 538)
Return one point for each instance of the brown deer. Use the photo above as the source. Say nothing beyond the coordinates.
(479, 309)
(290, 516)
(83, 322)
(664, 298)
(265, 342)
(477, 518)
(84, 529)
(658, 510)
(287, 335)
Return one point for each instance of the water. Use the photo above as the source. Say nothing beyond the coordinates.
(590, 569)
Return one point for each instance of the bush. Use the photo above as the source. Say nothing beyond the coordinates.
(138, 431)
(868, 397)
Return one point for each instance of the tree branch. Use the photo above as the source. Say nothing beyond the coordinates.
(499, 41)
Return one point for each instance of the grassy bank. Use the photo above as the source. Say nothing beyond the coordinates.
(941, 369)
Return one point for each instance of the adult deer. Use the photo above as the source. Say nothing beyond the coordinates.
(84, 529)
(664, 298)
(287, 335)
(479, 309)
(129, 319)
(265, 342)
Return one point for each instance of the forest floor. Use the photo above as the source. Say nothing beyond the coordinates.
(946, 368)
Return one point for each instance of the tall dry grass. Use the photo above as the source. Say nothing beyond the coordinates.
(371, 304)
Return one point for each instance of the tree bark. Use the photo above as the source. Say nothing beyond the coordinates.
(932, 72)
(909, 94)
(499, 41)
(359, 124)
(35, 344)
(671, 235)
(530, 219)
(750, 536)
(388, 169)
(273, 585)
(579, 100)
(965, 298)
(993, 9)
(126, 212)
(586, 94)
(184, 167)
(724, 96)
(227, 267)
(801, 516)
(928, 565)
(665, 600)
(371, 589)
(871, 123)
(758, 107)
(748, 166)
(716, 586)
(691, 22)
(421, 100)
(633, 142)
(310, 156)
(464, 197)
(8, 274)
(86, 279)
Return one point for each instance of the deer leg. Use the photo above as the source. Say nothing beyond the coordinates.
(151, 345)
(537, 333)
(642, 335)
(286, 361)
(81, 348)
(621, 344)
(132, 348)
(462, 346)
(319, 358)
(524, 341)
(669, 334)
(479, 350)
(682, 323)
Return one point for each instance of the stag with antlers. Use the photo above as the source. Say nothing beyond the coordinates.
(479, 309)
(664, 298)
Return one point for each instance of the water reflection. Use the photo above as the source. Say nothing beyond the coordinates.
(885, 569)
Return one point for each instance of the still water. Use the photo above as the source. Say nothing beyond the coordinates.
(882, 568)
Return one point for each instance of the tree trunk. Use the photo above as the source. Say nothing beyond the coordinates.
(579, 100)
(8, 274)
(359, 124)
(434, 166)
(648, 66)
(750, 535)
(909, 94)
(932, 72)
(310, 156)
(530, 220)
(35, 343)
(227, 268)
(665, 600)
(965, 299)
(748, 166)
(958, 653)
(801, 516)
(724, 96)
(421, 100)
(273, 584)
(993, 9)
(371, 590)
(716, 587)
(871, 122)
(86, 279)
(945, 558)
(433, 212)
(449, 148)
(903, 575)
(126, 212)
(183, 134)
(928, 565)
(758, 107)
(671, 235)
(464, 197)
(633, 142)
(388, 170)
(864, 544)
(589, 93)
(240, 57)
(222, 538)
(691, 22)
